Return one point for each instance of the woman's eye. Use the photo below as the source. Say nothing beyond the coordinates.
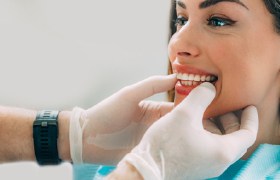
(219, 22)
(180, 21)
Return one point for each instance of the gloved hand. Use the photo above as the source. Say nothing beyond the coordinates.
(178, 147)
(109, 130)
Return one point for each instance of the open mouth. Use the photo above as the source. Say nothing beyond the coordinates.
(187, 82)
(195, 79)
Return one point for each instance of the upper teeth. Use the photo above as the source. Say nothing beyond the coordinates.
(195, 77)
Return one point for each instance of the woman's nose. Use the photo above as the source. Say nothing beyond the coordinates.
(184, 43)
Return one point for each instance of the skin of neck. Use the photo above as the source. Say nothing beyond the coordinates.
(269, 120)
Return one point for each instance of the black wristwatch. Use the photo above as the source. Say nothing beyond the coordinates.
(45, 134)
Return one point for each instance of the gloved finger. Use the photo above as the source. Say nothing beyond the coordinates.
(165, 107)
(242, 139)
(196, 102)
(152, 111)
(148, 87)
(210, 125)
(229, 122)
(250, 119)
(161, 108)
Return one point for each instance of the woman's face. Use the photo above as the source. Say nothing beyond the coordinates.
(231, 43)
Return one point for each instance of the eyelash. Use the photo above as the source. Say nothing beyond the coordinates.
(213, 21)
(180, 21)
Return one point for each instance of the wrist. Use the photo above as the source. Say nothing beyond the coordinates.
(125, 171)
(26, 136)
(63, 136)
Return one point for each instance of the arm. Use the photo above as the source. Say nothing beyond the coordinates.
(16, 134)
(16, 124)
(16, 140)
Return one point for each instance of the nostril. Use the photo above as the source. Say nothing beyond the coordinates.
(184, 54)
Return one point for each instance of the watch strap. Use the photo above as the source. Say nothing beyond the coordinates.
(45, 134)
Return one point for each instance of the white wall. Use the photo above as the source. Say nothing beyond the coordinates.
(65, 53)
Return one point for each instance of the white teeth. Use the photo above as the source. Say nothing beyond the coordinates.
(186, 83)
(195, 77)
(185, 77)
(191, 77)
(189, 83)
(202, 78)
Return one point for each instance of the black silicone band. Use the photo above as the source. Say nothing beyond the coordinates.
(45, 134)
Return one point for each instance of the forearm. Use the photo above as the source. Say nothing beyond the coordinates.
(124, 171)
(16, 142)
(16, 134)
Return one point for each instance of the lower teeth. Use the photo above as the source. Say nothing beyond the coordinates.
(190, 83)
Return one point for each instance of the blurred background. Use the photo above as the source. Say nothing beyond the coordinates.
(57, 54)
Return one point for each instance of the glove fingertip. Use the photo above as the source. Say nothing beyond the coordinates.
(249, 119)
(202, 95)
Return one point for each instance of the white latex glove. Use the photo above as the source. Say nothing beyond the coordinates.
(178, 147)
(109, 130)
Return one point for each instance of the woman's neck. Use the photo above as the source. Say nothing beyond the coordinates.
(269, 125)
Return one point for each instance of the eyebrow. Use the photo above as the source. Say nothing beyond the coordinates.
(181, 4)
(208, 3)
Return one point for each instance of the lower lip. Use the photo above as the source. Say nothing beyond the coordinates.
(184, 90)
